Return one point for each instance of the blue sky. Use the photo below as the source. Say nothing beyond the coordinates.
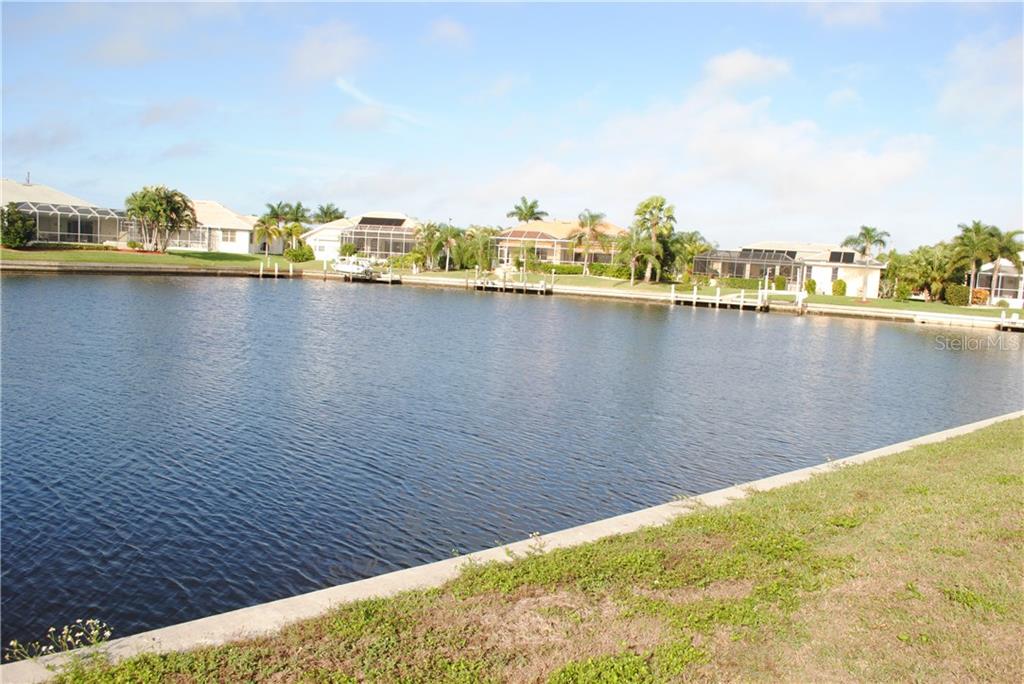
(781, 121)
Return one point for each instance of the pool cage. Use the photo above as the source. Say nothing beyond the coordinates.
(380, 238)
(752, 263)
(75, 224)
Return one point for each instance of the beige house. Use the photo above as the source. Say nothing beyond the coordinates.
(377, 234)
(60, 217)
(551, 242)
(797, 262)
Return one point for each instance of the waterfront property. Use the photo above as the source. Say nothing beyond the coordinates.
(797, 262)
(377, 234)
(218, 229)
(1009, 285)
(64, 218)
(550, 242)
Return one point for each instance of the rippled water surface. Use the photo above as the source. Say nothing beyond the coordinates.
(177, 447)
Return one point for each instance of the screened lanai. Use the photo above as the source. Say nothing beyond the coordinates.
(381, 237)
(749, 263)
(79, 224)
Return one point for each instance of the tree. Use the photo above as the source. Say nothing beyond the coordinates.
(866, 241)
(656, 217)
(972, 247)
(634, 249)
(326, 213)
(684, 247)
(429, 242)
(480, 245)
(526, 210)
(293, 231)
(449, 237)
(298, 213)
(161, 212)
(588, 233)
(1004, 246)
(266, 231)
(16, 229)
(929, 267)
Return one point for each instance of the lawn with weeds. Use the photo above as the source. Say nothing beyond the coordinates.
(906, 568)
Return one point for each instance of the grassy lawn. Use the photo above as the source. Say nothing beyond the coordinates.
(930, 307)
(100, 256)
(907, 568)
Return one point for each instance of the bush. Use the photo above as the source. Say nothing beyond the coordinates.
(70, 246)
(347, 249)
(1003, 304)
(740, 283)
(956, 294)
(406, 260)
(839, 288)
(559, 269)
(811, 286)
(610, 270)
(780, 282)
(979, 296)
(299, 254)
(134, 244)
(902, 292)
(16, 229)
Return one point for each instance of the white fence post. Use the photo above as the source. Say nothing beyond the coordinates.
(261, 269)
(275, 269)
(742, 297)
(718, 297)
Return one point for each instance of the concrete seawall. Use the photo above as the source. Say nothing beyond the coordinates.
(269, 617)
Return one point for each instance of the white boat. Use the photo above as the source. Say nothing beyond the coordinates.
(353, 266)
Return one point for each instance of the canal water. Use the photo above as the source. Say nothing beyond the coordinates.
(178, 447)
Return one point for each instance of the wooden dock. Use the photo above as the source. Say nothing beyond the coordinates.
(519, 287)
(1010, 324)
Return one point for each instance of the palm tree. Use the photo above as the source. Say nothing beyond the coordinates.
(1004, 246)
(972, 247)
(449, 236)
(161, 212)
(480, 245)
(656, 217)
(298, 213)
(526, 210)
(429, 242)
(588, 233)
(685, 246)
(865, 242)
(326, 213)
(929, 267)
(634, 248)
(279, 212)
(293, 231)
(266, 231)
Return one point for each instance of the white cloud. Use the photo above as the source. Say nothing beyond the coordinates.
(175, 111)
(844, 97)
(327, 51)
(371, 113)
(983, 82)
(847, 13)
(742, 67)
(39, 140)
(445, 31)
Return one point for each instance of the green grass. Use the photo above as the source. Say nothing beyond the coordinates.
(929, 307)
(836, 578)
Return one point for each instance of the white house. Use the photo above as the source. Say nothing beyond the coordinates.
(797, 262)
(60, 217)
(222, 229)
(378, 234)
(1009, 282)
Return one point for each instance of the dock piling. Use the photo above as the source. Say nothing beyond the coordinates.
(718, 297)
(275, 270)
(291, 270)
(261, 269)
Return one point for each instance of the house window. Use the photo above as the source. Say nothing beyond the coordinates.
(227, 235)
(835, 273)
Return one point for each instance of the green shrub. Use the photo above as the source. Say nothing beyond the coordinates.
(610, 270)
(839, 288)
(16, 229)
(740, 283)
(780, 282)
(299, 254)
(347, 249)
(979, 296)
(134, 244)
(957, 294)
(71, 246)
(1003, 304)
(811, 286)
(406, 260)
(902, 292)
(559, 269)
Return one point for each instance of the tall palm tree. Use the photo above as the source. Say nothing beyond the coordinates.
(972, 247)
(866, 241)
(527, 210)
(929, 267)
(1004, 246)
(161, 212)
(480, 243)
(449, 236)
(292, 231)
(279, 212)
(633, 248)
(588, 233)
(656, 217)
(326, 213)
(298, 213)
(429, 242)
(266, 231)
